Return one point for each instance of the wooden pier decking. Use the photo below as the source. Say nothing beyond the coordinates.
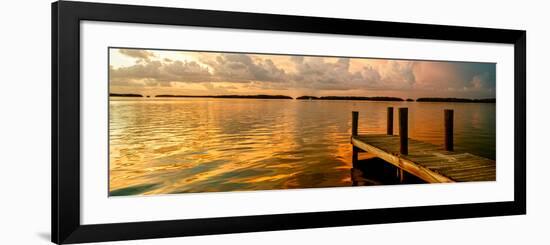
(429, 162)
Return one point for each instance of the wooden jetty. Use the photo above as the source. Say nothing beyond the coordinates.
(429, 162)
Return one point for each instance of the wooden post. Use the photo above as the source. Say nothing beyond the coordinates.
(354, 120)
(449, 118)
(354, 156)
(390, 121)
(404, 130)
(354, 129)
(400, 175)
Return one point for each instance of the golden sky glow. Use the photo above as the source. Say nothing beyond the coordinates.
(153, 72)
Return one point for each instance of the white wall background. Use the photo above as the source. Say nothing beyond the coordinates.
(25, 121)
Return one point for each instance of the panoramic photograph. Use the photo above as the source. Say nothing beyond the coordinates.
(185, 121)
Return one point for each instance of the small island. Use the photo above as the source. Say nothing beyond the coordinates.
(259, 96)
(125, 95)
(457, 100)
(376, 98)
(307, 97)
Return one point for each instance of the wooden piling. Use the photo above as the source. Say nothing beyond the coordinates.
(449, 118)
(390, 121)
(354, 130)
(403, 131)
(354, 121)
(354, 156)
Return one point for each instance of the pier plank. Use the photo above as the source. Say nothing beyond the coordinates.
(427, 161)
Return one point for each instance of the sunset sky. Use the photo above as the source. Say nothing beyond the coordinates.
(153, 72)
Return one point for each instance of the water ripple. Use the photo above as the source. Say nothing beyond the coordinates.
(203, 145)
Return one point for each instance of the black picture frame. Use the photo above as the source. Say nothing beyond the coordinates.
(66, 18)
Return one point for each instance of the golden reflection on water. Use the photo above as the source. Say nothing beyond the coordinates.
(207, 145)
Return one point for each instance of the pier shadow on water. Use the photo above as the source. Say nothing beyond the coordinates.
(372, 170)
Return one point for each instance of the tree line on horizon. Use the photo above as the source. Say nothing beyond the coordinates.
(308, 97)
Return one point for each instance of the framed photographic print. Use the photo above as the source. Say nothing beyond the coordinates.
(175, 122)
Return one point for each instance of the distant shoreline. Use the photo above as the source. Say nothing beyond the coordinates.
(378, 98)
(308, 97)
(457, 100)
(260, 96)
(125, 95)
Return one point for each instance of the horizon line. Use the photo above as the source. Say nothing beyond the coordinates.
(302, 97)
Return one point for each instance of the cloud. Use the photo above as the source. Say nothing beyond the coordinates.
(436, 75)
(480, 82)
(479, 76)
(371, 74)
(400, 73)
(249, 72)
(477, 79)
(137, 53)
(242, 68)
(216, 88)
(309, 72)
(321, 73)
(154, 72)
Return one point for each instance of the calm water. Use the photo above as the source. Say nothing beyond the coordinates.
(203, 145)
